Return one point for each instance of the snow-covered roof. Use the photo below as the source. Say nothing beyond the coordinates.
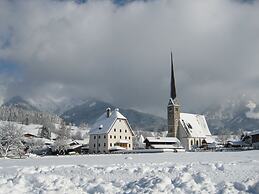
(31, 129)
(195, 125)
(210, 139)
(256, 132)
(162, 139)
(104, 123)
(46, 141)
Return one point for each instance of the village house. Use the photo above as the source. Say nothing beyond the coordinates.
(163, 143)
(251, 138)
(191, 129)
(111, 132)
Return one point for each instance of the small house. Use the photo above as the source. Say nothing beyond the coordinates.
(162, 143)
(111, 132)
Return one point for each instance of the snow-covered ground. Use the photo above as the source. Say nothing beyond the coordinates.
(204, 172)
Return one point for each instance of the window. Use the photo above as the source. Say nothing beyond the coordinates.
(94, 137)
(129, 137)
(125, 130)
(120, 130)
(94, 145)
(114, 136)
(197, 142)
(99, 145)
(110, 136)
(119, 120)
(120, 137)
(104, 136)
(125, 137)
(189, 125)
(99, 137)
(104, 144)
(191, 143)
(129, 145)
(114, 130)
(111, 144)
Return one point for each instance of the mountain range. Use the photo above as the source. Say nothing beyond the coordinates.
(233, 114)
(77, 111)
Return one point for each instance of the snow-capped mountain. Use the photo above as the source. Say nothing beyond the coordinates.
(19, 102)
(89, 111)
(56, 105)
(77, 110)
(233, 114)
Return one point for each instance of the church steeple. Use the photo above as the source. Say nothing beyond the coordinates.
(173, 88)
(173, 108)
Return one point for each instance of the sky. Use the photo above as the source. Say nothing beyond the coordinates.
(120, 53)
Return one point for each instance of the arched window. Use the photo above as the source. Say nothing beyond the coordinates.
(197, 142)
(191, 142)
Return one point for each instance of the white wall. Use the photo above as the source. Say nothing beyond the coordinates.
(103, 142)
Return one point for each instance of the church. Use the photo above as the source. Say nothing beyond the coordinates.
(191, 129)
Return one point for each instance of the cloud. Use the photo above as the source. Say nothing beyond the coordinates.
(121, 53)
(251, 113)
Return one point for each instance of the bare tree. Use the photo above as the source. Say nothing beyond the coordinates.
(60, 146)
(11, 139)
(224, 135)
(61, 143)
(78, 135)
(34, 145)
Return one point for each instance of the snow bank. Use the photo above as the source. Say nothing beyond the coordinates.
(140, 173)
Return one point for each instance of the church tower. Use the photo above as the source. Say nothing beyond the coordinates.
(173, 108)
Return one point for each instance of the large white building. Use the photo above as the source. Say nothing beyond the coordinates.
(111, 132)
(191, 129)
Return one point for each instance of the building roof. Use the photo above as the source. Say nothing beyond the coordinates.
(195, 125)
(162, 139)
(104, 124)
(256, 132)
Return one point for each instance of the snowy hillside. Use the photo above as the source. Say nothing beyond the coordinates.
(214, 172)
(56, 105)
(233, 114)
(19, 102)
(91, 110)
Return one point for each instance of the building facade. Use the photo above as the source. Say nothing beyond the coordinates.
(111, 132)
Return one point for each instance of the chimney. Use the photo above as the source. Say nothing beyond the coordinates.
(108, 112)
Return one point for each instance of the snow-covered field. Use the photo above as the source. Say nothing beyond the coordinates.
(229, 172)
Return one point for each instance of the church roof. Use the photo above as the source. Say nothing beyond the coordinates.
(256, 132)
(104, 124)
(195, 125)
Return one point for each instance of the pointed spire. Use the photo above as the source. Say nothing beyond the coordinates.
(173, 88)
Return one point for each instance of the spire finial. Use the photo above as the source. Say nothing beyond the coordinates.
(173, 88)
